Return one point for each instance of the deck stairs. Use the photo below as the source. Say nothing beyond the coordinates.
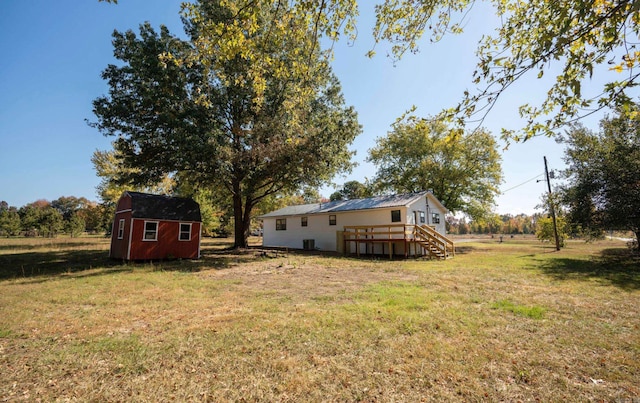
(433, 243)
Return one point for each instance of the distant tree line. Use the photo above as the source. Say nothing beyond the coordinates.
(65, 215)
(507, 224)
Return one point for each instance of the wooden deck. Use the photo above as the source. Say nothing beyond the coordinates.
(397, 239)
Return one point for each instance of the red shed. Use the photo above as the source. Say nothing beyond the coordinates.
(154, 227)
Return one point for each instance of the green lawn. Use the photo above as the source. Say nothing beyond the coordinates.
(499, 322)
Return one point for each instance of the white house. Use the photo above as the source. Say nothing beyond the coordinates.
(407, 224)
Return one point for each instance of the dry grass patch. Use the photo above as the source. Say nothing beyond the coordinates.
(510, 321)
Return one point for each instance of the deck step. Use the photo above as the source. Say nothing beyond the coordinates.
(433, 250)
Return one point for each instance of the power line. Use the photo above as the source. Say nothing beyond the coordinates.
(523, 183)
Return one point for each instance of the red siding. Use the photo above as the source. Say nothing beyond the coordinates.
(167, 245)
(124, 203)
(120, 247)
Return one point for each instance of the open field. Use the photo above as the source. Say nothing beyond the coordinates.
(512, 321)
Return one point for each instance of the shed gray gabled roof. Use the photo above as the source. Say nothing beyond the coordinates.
(377, 202)
(160, 207)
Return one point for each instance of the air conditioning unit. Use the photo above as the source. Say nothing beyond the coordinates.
(309, 244)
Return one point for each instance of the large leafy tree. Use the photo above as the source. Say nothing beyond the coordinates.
(462, 170)
(207, 111)
(576, 40)
(603, 191)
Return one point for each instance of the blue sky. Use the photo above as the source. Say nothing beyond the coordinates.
(53, 53)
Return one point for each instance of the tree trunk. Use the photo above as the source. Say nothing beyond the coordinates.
(246, 220)
(242, 218)
(240, 240)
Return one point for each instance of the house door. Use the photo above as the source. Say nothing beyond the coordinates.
(415, 217)
(428, 219)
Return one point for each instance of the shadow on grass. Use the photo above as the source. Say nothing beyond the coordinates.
(54, 242)
(54, 263)
(618, 267)
(464, 249)
(210, 260)
(42, 265)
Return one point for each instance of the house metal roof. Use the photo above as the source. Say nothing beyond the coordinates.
(377, 202)
(160, 207)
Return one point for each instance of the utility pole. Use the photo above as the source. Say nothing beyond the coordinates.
(553, 210)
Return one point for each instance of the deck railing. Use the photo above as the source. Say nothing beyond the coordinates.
(417, 239)
(442, 243)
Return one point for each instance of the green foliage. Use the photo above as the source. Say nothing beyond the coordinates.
(582, 37)
(50, 222)
(545, 231)
(353, 190)
(214, 115)
(488, 224)
(521, 224)
(80, 214)
(604, 172)
(67, 206)
(69, 214)
(114, 181)
(215, 208)
(211, 214)
(115, 178)
(583, 40)
(9, 222)
(462, 169)
(95, 218)
(30, 216)
(249, 31)
(74, 225)
(280, 200)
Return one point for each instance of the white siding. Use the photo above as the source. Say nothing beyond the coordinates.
(318, 228)
(429, 206)
(325, 235)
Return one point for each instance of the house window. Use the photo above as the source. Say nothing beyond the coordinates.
(281, 224)
(185, 232)
(121, 229)
(435, 218)
(422, 217)
(332, 219)
(303, 221)
(150, 231)
(395, 216)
